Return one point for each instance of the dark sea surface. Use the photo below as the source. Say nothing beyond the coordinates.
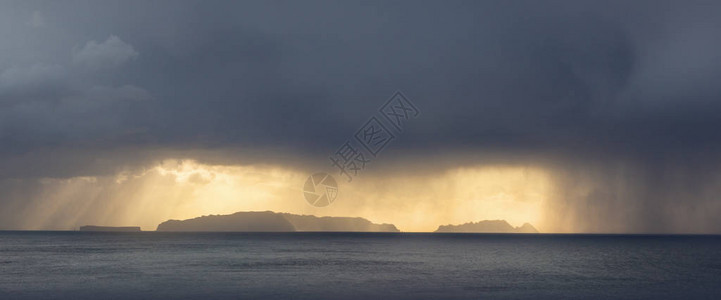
(77, 265)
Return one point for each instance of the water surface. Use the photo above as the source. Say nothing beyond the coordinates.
(357, 266)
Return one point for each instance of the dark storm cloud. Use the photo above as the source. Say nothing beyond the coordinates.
(301, 75)
(575, 83)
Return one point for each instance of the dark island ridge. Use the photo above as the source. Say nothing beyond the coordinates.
(268, 221)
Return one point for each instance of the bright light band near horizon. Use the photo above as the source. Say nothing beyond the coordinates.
(185, 189)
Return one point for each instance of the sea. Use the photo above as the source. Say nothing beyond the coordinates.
(151, 265)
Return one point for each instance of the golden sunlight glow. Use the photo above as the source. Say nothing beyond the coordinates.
(180, 189)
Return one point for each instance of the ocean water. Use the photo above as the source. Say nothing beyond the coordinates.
(88, 265)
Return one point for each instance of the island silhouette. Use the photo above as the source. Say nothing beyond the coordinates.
(488, 226)
(268, 221)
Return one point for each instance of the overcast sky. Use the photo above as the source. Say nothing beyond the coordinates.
(619, 102)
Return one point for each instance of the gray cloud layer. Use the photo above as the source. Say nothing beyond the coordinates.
(625, 95)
